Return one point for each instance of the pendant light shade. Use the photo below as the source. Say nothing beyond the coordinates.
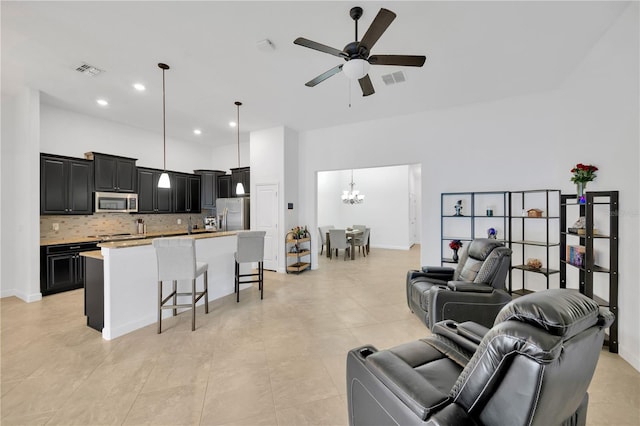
(239, 186)
(164, 181)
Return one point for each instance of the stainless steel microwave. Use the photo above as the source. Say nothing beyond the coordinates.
(115, 202)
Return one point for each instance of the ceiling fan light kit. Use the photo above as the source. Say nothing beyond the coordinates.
(356, 53)
(355, 69)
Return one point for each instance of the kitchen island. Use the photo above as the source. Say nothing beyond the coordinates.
(130, 279)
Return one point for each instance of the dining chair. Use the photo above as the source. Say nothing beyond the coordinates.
(323, 235)
(359, 227)
(361, 241)
(177, 261)
(338, 239)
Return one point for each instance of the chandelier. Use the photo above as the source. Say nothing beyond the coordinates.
(353, 196)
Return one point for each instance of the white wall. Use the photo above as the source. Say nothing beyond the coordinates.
(67, 133)
(21, 185)
(385, 209)
(527, 142)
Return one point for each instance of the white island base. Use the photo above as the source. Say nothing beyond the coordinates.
(131, 283)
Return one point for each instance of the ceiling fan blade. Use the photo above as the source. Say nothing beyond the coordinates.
(366, 86)
(300, 41)
(379, 25)
(404, 60)
(325, 75)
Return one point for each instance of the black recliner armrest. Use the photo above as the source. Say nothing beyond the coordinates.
(468, 286)
(438, 270)
(406, 384)
(449, 330)
(472, 331)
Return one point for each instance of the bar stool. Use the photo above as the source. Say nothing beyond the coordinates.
(177, 261)
(250, 249)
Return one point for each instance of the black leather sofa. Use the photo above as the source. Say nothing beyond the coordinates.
(473, 291)
(533, 367)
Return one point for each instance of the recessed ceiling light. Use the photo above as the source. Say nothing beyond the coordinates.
(197, 131)
(102, 102)
(232, 124)
(139, 87)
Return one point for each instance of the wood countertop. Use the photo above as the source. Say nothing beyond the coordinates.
(148, 241)
(167, 233)
(94, 254)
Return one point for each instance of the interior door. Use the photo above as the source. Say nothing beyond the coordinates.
(266, 199)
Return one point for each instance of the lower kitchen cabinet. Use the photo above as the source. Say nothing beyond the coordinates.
(61, 267)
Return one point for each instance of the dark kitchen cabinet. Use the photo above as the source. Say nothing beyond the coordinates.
(223, 186)
(209, 187)
(113, 173)
(66, 185)
(61, 267)
(240, 175)
(152, 199)
(186, 193)
(94, 292)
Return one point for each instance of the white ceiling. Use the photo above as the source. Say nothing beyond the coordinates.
(476, 51)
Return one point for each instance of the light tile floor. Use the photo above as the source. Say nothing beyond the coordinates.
(279, 361)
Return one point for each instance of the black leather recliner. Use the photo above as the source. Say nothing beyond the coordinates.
(474, 291)
(532, 368)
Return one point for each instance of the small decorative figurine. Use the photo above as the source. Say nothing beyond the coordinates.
(492, 233)
(458, 208)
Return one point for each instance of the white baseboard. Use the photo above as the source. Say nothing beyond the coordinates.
(34, 297)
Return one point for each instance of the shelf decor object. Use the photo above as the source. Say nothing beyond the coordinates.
(583, 173)
(582, 242)
(455, 245)
(164, 181)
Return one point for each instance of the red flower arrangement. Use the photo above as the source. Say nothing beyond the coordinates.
(583, 173)
(455, 244)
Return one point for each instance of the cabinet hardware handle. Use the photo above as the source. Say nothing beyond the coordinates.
(74, 248)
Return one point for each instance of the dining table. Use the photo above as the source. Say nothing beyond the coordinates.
(351, 236)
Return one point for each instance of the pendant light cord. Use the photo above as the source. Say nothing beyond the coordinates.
(164, 128)
(238, 103)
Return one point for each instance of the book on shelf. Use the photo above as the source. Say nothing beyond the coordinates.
(575, 255)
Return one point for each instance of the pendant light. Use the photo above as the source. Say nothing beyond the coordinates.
(239, 186)
(164, 181)
(353, 196)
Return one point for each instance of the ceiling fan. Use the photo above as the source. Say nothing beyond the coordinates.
(356, 53)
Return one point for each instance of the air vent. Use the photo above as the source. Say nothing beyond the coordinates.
(90, 70)
(396, 77)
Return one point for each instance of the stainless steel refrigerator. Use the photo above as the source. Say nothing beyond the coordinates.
(233, 213)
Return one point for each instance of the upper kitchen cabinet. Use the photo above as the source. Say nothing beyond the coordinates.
(152, 199)
(113, 173)
(209, 187)
(223, 186)
(242, 175)
(186, 193)
(66, 185)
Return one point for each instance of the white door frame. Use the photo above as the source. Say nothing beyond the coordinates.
(272, 239)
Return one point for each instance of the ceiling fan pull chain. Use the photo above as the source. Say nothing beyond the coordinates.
(349, 83)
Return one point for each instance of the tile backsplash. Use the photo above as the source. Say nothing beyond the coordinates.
(114, 223)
